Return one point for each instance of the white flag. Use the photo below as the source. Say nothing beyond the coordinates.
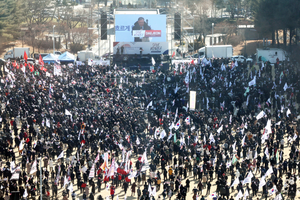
(260, 115)
(285, 87)
(252, 82)
(246, 194)
(212, 140)
(270, 171)
(67, 112)
(25, 193)
(65, 181)
(239, 195)
(92, 172)
(162, 134)
(61, 155)
(33, 168)
(111, 171)
(235, 182)
(267, 152)
(70, 188)
(262, 182)
(48, 123)
(278, 197)
(288, 112)
(153, 61)
(150, 104)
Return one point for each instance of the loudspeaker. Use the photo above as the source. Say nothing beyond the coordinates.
(177, 26)
(103, 26)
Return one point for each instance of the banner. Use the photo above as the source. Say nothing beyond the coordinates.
(132, 48)
(140, 28)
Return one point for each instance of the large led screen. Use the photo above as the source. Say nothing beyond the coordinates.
(140, 28)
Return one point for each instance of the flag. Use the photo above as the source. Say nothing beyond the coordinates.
(92, 172)
(67, 112)
(252, 82)
(278, 197)
(213, 195)
(153, 61)
(65, 181)
(239, 195)
(162, 134)
(267, 153)
(187, 120)
(25, 56)
(43, 69)
(192, 62)
(285, 87)
(270, 171)
(262, 182)
(212, 139)
(97, 158)
(173, 54)
(41, 62)
(260, 115)
(25, 193)
(61, 155)
(273, 190)
(246, 194)
(33, 168)
(234, 159)
(288, 112)
(177, 125)
(149, 105)
(104, 165)
(235, 182)
(70, 188)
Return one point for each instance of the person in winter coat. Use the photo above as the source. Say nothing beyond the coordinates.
(112, 192)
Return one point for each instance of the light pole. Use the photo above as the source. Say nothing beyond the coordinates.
(41, 179)
(53, 41)
(212, 36)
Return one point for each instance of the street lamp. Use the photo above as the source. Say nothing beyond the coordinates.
(212, 36)
(53, 41)
(41, 177)
(98, 37)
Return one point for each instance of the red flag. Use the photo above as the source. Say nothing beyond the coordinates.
(44, 69)
(173, 54)
(31, 67)
(107, 90)
(41, 62)
(25, 56)
(192, 62)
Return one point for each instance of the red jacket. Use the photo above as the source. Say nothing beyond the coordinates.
(112, 190)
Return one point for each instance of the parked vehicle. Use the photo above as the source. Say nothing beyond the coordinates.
(216, 51)
(241, 58)
(17, 52)
(271, 55)
(85, 55)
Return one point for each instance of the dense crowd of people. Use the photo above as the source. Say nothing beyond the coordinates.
(95, 128)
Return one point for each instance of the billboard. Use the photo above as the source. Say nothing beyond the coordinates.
(140, 28)
(135, 47)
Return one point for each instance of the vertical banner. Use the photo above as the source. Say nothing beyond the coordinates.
(192, 103)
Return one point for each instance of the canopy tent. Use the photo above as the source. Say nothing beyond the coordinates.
(67, 57)
(50, 58)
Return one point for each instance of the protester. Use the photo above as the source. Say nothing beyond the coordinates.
(104, 124)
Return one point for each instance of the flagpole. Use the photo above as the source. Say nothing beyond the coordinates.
(41, 185)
